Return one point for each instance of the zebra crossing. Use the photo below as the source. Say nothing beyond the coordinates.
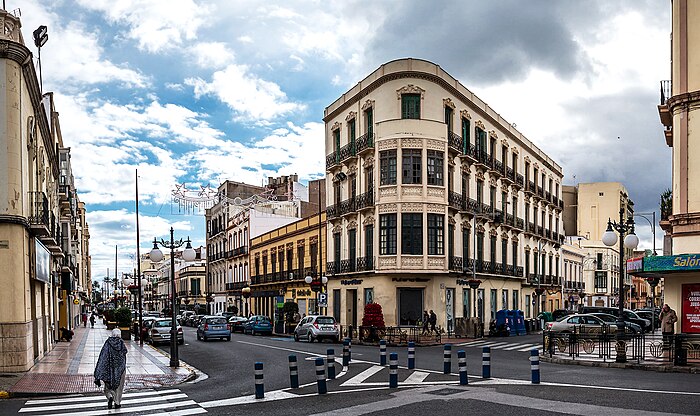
(170, 402)
(502, 345)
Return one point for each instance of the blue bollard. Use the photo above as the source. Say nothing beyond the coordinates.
(393, 370)
(462, 358)
(346, 352)
(535, 365)
(382, 352)
(293, 372)
(259, 383)
(411, 355)
(349, 350)
(447, 359)
(321, 376)
(486, 362)
(330, 362)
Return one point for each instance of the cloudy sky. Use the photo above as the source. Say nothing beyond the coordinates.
(197, 92)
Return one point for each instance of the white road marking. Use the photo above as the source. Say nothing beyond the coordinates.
(100, 397)
(416, 377)
(101, 402)
(358, 379)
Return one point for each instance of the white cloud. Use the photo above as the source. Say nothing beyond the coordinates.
(212, 55)
(251, 98)
(156, 26)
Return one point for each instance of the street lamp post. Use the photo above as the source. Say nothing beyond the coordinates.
(626, 229)
(317, 286)
(188, 255)
(245, 292)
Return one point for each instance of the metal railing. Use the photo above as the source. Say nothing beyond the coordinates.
(454, 141)
(665, 91)
(397, 335)
(364, 142)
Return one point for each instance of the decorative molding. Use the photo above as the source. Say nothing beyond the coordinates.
(313, 240)
(412, 190)
(504, 236)
(273, 250)
(465, 114)
(388, 191)
(352, 225)
(351, 115)
(411, 143)
(480, 176)
(505, 188)
(466, 225)
(515, 239)
(280, 248)
(436, 192)
(387, 262)
(480, 124)
(411, 262)
(290, 245)
(369, 162)
(526, 159)
(352, 170)
(493, 134)
(300, 243)
(335, 126)
(493, 181)
(387, 208)
(435, 208)
(466, 168)
(410, 89)
(387, 144)
(436, 262)
(536, 166)
(504, 142)
(451, 220)
(337, 229)
(367, 104)
(515, 150)
(527, 247)
(435, 144)
(447, 102)
(369, 220)
(411, 207)
(493, 232)
(480, 229)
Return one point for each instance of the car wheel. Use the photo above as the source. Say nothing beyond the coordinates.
(252, 332)
(205, 338)
(296, 337)
(310, 338)
(180, 341)
(228, 338)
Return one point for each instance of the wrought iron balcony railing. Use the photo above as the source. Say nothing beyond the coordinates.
(365, 142)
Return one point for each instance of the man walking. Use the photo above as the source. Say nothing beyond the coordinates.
(433, 321)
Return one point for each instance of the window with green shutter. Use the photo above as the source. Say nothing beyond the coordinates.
(410, 106)
(465, 134)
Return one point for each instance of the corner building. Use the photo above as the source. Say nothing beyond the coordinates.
(428, 187)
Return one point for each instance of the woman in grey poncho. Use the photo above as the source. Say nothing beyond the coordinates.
(111, 368)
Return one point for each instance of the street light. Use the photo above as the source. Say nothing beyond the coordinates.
(156, 256)
(317, 285)
(630, 241)
(245, 292)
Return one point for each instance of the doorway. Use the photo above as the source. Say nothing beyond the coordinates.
(410, 306)
(352, 307)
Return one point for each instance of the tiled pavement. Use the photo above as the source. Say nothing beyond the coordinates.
(68, 368)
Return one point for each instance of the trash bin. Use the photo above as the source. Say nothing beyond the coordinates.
(519, 322)
(680, 356)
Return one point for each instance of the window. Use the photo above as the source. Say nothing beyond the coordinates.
(336, 141)
(411, 163)
(515, 163)
(257, 266)
(313, 251)
(369, 244)
(451, 240)
(410, 106)
(387, 234)
(479, 193)
(369, 179)
(273, 261)
(514, 208)
(290, 260)
(369, 295)
(264, 264)
(480, 141)
(435, 167)
(436, 234)
(450, 178)
(504, 252)
(514, 254)
(351, 133)
(336, 251)
(479, 248)
(527, 263)
(465, 245)
(448, 118)
(387, 167)
(492, 197)
(353, 187)
(492, 251)
(465, 135)
(504, 299)
(281, 259)
(504, 157)
(527, 306)
(412, 234)
(352, 247)
(369, 121)
(516, 299)
(300, 260)
(494, 306)
(504, 204)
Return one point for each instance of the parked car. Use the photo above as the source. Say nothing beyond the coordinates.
(317, 327)
(185, 316)
(146, 328)
(627, 316)
(586, 323)
(611, 320)
(193, 320)
(226, 314)
(213, 327)
(160, 332)
(236, 323)
(649, 316)
(258, 324)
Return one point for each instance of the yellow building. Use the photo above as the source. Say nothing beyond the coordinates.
(281, 260)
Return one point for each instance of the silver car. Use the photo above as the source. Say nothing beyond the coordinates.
(160, 332)
(587, 324)
(317, 327)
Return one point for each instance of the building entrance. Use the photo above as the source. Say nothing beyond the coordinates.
(410, 306)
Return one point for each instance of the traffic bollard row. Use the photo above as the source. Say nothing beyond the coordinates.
(321, 376)
(535, 365)
(330, 361)
(346, 352)
(462, 359)
(393, 370)
(259, 383)
(411, 355)
(382, 352)
(293, 372)
(447, 359)
(486, 362)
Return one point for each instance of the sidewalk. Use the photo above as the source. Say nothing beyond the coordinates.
(69, 367)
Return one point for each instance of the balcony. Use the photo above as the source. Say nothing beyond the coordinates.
(540, 191)
(508, 174)
(530, 187)
(351, 265)
(456, 201)
(365, 200)
(347, 152)
(235, 286)
(519, 180)
(496, 167)
(454, 142)
(40, 214)
(488, 267)
(365, 143)
(239, 251)
(548, 196)
(332, 160)
(455, 264)
(664, 110)
(483, 159)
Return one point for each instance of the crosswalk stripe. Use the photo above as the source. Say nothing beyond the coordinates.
(100, 397)
(518, 347)
(139, 409)
(358, 379)
(471, 343)
(184, 412)
(528, 348)
(101, 403)
(493, 344)
(416, 377)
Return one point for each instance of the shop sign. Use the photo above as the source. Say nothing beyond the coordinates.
(680, 263)
(351, 282)
(409, 279)
(690, 307)
(76, 301)
(635, 265)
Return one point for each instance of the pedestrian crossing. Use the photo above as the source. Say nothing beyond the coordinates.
(171, 402)
(501, 345)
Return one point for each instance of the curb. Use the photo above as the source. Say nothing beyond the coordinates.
(633, 366)
(4, 395)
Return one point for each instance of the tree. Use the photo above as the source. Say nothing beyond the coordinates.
(123, 317)
(373, 316)
(96, 292)
(666, 204)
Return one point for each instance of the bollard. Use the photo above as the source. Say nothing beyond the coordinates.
(535, 365)
(349, 350)
(393, 370)
(411, 355)
(486, 362)
(259, 383)
(462, 358)
(382, 352)
(293, 372)
(321, 376)
(330, 362)
(447, 359)
(346, 352)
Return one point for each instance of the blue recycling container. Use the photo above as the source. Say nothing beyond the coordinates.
(520, 328)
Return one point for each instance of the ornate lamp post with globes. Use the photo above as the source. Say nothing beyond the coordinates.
(630, 240)
(188, 255)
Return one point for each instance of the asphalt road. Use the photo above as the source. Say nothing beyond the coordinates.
(226, 385)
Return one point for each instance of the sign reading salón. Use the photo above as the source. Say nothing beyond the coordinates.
(680, 263)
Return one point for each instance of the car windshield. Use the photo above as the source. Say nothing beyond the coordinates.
(162, 324)
(607, 318)
(325, 320)
(217, 321)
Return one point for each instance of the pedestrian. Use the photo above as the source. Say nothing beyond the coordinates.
(111, 368)
(426, 322)
(92, 320)
(668, 320)
(84, 320)
(433, 321)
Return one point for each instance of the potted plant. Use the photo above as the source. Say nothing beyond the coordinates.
(374, 319)
(108, 317)
(122, 316)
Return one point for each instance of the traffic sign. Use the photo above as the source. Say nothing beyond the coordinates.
(323, 300)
